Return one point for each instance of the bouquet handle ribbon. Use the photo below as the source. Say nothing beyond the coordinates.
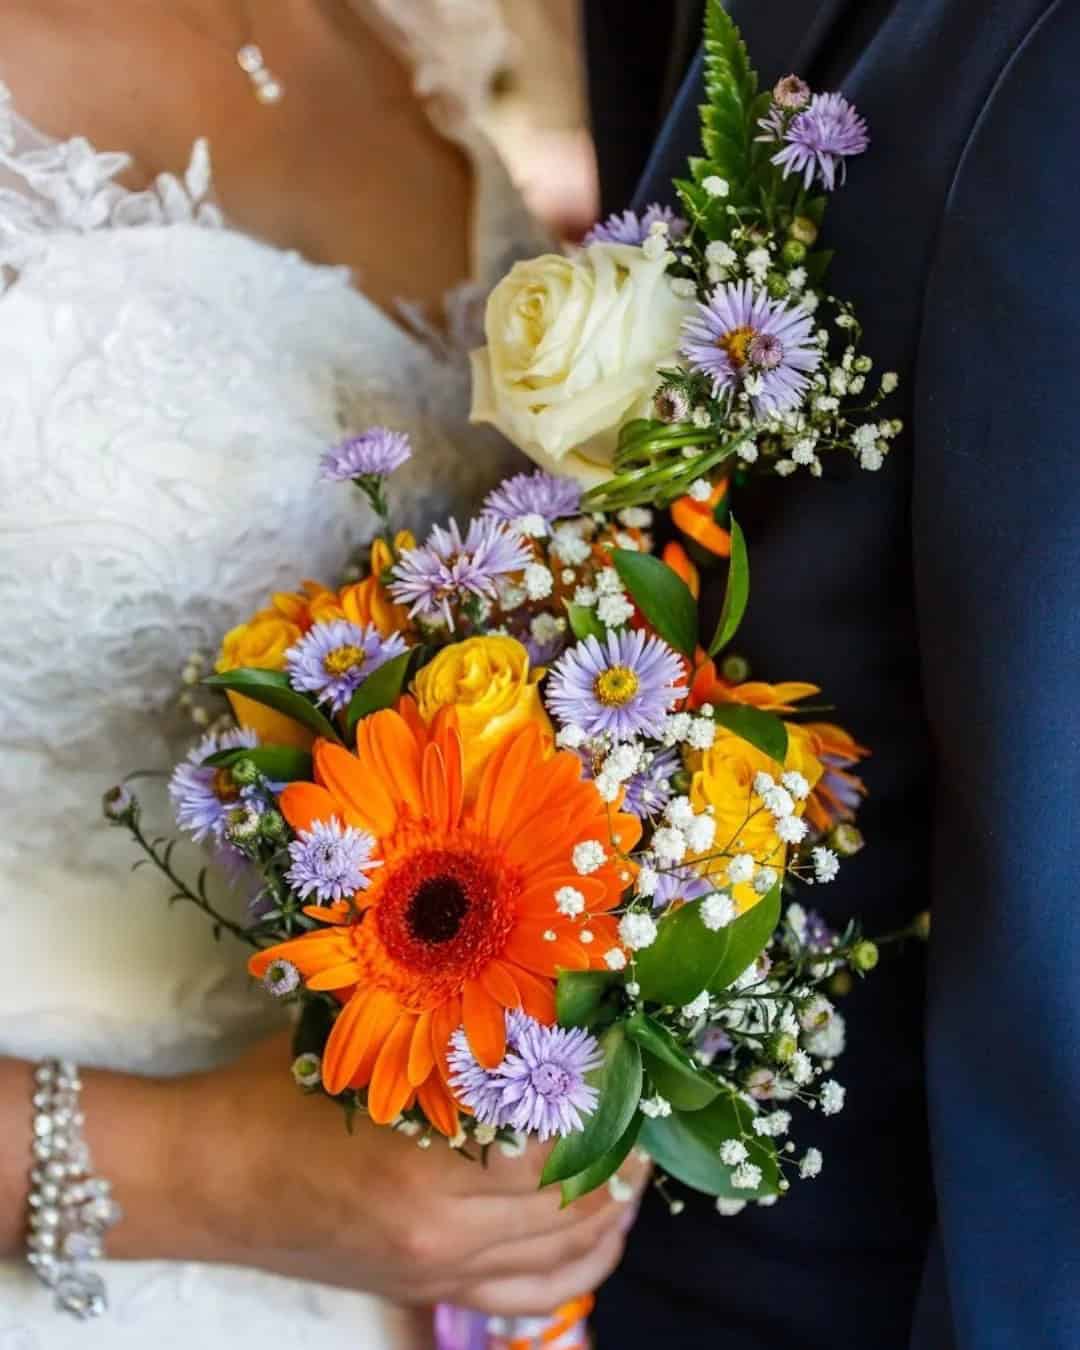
(462, 1329)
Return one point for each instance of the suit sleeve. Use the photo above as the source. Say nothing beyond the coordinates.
(996, 528)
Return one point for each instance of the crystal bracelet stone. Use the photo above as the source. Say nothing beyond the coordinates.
(70, 1208)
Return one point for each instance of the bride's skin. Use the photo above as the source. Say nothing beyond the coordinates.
(236, 1165)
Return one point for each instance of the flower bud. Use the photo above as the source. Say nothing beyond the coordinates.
(736, 669)
(307, 1071)
(793, 253)
(846, 840)
(803, 230)
(777, 285)
(244, 773)
(920, 926)
(782, 1047)
(272, 827)
(119, 805)
(864, 955)
(680, 782)
(841, 984)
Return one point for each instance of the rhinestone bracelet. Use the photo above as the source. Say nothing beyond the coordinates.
(70, 1208)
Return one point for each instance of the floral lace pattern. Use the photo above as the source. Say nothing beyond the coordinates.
(167, 385)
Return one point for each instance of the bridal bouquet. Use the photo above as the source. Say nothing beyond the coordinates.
(522, 837)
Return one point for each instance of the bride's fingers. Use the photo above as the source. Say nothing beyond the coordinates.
(539, 1255)
(538, 1296)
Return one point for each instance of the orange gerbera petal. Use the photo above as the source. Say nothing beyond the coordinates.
(390, 1088)
(677, 558)
(445, 1020)
(538, 900)
(529, 946)
(380, 1017)
(302, 804)
(335, 977)
(498, 979)
(309, 954)
(522, 757)
(421, 1055)
(485, 1024)
(537, 995)
(438, 1105)
(394, 749)
(343, 1046)
(363, 797)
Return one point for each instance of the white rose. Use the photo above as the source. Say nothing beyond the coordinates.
(574, 345)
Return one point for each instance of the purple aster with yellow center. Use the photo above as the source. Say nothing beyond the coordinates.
(627, 227)
(741, 337)
(621, 687)
(376, 453)
(448, 569)
(204, 795)
(820, 139)
(540, 1088)
(330, 861)
(333, 659)
(533, 494)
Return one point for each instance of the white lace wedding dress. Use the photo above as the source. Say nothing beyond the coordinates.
(167, 385)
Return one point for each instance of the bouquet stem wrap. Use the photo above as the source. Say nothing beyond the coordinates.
(462, 1329)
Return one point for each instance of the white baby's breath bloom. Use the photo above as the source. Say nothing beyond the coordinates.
(717, 910)
(720, 254)
(569, 545)
(607, 785)
(733, 1152)
(889, 381)
(740, 868)
(679, 812)
(702, 733)
(669, 844)
(729, 1208)
(809, 301)
(484, 1135)
(796, 278)
(684, 287)
(614, 610)
(815, 1013)
(832, 1097)
(700, 490)
(791, 829)
(838, 381)
(588, 856)
(864, 436)
(826, 864)
(637, 930)
(796, 784)
(777, 801)
(810, 1164)
(647, 881)
(585, 597)
(785, 467)
(569, 901)
(701, 418)
(532, 526)
(871, 459)
(804, 450)
(763, 782)
(765, 880)
(716, 186)
(615, 958)
(772, 1126)
(829, 1042)
(545, 628)
(655, 1107)
(655, 247)
(748, 452)
(636, 517)
(826, 403)
(620, 1191)
(570, 737)
(698, 1007)
(758, 262)
(608, 582)
(701, 833)
(801, 1068)
(676, 728)
(539, 582)
(746, 1177)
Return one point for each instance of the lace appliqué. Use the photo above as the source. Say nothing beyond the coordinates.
(49, 187)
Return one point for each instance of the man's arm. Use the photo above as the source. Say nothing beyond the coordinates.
(996, 519)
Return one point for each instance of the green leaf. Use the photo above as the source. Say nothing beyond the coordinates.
(663, 597)
(272, 688)
(674, 1074)
(765, 731)
(618, 1082)
(679, 964)
(280, 763)
(583, 996)
(576, 1186)
(380, 690)
(748, 936)
(687, 1145)
(736, 594)
(584, 623)
(727, 128)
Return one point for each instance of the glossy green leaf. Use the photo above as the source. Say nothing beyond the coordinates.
(687, 1144)
(765, 731)
(674, 1075)
(584, 623)
(382, 689)
(663, 597)
(573, 1188)
(618, 1083)
(584, 997)
(736, 593)
(748, 936)
(272, 688)
(280, 763)
(682, 960)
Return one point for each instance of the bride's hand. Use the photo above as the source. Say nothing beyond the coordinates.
(238, 1166)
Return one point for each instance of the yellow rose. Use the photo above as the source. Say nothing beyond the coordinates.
(573, 349)
(723, 779)
(488, 681)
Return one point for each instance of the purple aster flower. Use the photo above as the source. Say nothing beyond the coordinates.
(379, 451)
(648, 791)
(281, 978)
(741, 337)
(628, 227)
(622, 687)
(333, 659)
(330, 861)
(680, 883)
(539, 1088)
(533, 494)
(203, 796)
(447, 568)
(820, 138)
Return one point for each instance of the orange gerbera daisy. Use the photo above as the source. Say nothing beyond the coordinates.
(461, 921)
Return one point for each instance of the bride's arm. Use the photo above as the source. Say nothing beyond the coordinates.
(238, 1166)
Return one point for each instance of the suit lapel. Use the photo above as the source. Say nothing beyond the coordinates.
(787, 36)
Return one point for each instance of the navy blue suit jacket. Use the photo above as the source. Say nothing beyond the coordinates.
(938, 604)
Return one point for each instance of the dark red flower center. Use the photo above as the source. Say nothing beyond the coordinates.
(437, 909)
